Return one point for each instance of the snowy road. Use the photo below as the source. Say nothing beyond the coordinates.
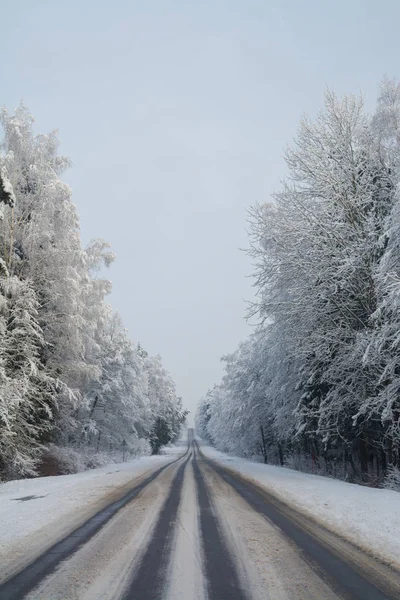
(194, 530)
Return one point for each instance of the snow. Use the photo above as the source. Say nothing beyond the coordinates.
(185, 576)
(367, 517)
(267, 563)
(34, 513)
(102, 568)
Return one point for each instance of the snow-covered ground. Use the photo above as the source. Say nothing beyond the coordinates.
(369, 518)
(34, 513)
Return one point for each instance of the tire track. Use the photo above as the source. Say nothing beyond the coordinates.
(343, 577)
(222, 579)
(269, 565)
(149, 581)
(23, 582)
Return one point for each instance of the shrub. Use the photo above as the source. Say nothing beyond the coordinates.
(392, 479)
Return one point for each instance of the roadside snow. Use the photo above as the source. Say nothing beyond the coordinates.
(34, 513)
(369, 518)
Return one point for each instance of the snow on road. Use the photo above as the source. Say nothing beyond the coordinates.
(192, 532)
(367, 517)
(185, 578)
(266, 563)
(102, 568)
(34, 513)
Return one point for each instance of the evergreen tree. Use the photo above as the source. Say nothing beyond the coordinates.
(27, 391)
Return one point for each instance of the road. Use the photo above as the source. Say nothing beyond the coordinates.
(193, 530)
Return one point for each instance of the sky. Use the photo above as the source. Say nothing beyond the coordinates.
(176, 115)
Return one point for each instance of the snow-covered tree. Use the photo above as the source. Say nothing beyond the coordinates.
(68, 371)
(41, 243)
(320, 376)
(115, 409)
(27, 391)
(166, 410)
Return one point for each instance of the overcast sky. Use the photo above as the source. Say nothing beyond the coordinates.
(175, 115)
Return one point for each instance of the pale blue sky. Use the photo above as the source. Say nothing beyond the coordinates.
(175, 115)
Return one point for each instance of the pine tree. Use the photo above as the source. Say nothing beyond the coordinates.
(27, 391)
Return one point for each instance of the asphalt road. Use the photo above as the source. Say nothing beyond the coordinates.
(193, 530)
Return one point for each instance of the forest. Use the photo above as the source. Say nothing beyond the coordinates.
(316, 385)
(72, 383)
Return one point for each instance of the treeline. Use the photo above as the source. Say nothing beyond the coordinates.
(317, 385)
(69, 374)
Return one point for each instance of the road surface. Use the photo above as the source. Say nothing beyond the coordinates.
(193, 530)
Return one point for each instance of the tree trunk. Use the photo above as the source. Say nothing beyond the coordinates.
(280, 452)
(263, 446)
(98, 441)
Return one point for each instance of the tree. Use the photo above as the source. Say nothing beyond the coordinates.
(27, 391)
(68, 372)
(167, 413)
(319, 378)
(115, 402)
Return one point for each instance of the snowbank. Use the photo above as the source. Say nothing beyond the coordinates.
(369, 518)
